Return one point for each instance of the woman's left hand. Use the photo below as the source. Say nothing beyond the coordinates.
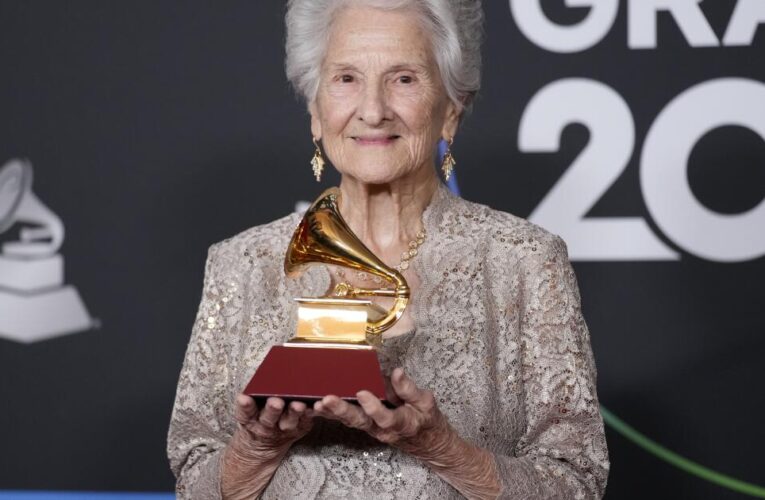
(418, 427)
(415, 426)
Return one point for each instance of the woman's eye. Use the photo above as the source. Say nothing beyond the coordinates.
(405, 79)
(346, 78)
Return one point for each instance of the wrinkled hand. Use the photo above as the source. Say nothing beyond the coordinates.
(415, 426)
(270, 431)
(261, 441)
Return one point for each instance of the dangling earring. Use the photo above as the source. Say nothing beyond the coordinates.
(317, 162)
(448, 163)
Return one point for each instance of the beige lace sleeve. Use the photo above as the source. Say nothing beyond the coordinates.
(562, 453)
(197, 433)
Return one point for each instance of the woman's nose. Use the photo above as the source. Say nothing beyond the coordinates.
(373, 108)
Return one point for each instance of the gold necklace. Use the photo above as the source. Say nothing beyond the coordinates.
(409, 254)
(406, 258)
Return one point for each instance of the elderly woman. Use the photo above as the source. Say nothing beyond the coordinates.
(491, 364)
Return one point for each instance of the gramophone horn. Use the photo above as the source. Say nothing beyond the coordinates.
(15, 180)
(19, 204)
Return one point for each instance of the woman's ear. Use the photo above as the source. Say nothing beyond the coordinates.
(313, 109)
(451, 120)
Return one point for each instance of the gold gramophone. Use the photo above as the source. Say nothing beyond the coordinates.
(332, 351)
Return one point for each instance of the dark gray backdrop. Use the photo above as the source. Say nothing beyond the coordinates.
(158, 128)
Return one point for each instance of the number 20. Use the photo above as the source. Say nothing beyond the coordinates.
(663, 170)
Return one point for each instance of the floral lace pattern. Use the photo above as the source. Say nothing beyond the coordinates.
(499, 338)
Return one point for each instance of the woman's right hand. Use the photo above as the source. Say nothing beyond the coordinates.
(269, 431)
(262, 439)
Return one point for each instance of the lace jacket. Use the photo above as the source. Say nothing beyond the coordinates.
(499, 338)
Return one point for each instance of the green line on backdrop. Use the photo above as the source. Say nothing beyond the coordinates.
(678, 461)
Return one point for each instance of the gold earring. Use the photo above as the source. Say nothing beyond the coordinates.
(317, 162)
(448, 163)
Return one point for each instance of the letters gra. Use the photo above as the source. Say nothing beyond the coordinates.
(642, 16)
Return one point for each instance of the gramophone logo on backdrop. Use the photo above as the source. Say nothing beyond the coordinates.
(34, 302)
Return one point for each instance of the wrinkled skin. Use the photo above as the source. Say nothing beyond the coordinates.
(405, 426)
(381, 107)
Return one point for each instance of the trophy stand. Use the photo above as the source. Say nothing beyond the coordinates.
(329, 355)
(333, 350)
(34, 302)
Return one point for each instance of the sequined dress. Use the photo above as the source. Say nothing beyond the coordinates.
(498, 337)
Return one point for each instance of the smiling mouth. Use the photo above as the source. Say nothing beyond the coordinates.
(375, 141)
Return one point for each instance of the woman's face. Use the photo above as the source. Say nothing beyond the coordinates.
(381, 107)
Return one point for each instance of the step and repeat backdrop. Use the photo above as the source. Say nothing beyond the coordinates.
(135, 134)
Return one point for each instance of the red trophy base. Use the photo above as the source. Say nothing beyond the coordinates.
(309, 373)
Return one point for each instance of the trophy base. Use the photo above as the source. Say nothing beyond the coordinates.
(30, 318)
(308, 373)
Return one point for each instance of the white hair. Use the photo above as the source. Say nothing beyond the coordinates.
(455, 28)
